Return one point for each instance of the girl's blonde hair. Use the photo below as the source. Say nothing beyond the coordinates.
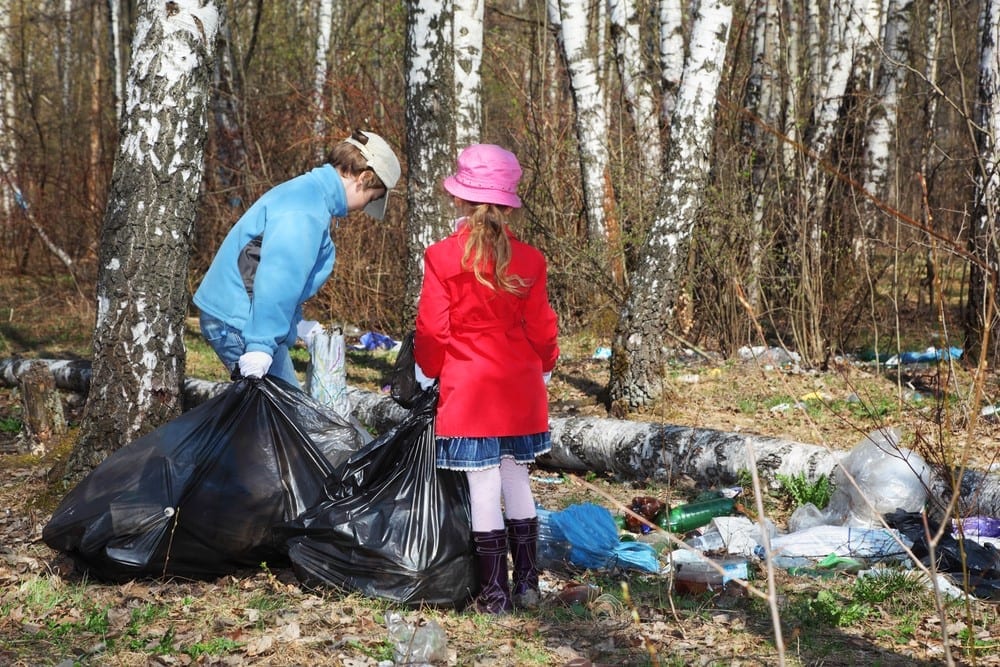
(488, 243)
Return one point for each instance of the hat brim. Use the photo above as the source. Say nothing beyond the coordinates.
(376, 208)
(480, 195)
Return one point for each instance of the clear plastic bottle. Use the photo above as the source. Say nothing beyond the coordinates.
(710, 541)
(553, 547)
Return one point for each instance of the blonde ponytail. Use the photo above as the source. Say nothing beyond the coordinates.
(488, 244)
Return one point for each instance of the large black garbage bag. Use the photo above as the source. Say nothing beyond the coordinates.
(394, 526)
(199, 496)
(981, 561)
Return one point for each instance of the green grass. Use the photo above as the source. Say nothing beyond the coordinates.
(212, 647)
(802, 490)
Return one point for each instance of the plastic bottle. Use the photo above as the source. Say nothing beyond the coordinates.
(711, 541)
(553, 548)
(685, 518)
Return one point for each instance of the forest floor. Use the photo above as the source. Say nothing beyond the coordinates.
(52, 614)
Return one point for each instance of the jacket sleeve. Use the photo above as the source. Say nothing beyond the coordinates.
(287, 256)
(541, 323)
(433, 326)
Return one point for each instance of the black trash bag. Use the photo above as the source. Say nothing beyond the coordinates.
(982, 561)
(199, 496)
(394, 526)
(403, 385)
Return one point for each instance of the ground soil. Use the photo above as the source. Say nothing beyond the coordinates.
(51, 613)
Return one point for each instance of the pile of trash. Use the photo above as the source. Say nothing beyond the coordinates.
(875, 518)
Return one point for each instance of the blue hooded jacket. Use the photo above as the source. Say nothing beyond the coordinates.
(277, 255)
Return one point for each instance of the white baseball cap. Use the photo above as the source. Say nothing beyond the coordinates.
(383, 162)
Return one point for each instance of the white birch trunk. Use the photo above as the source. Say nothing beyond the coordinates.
(575, 20)
(624, 19)
(984, 240)
(324, 20)
(7, 146)
(117, 66)
(794, 89)
(142, 291)
(430, 145)
(658, 282)
(763, 100)
(885, 110)
(468, 44)
(671, 19)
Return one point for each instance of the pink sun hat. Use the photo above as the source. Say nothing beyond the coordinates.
(487, 174)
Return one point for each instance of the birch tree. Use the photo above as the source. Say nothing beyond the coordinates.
(671, 15)
(932, 46)
(573, 20)
(763, 101)
(430, 132)
(982, 314)
(117, 68)
(883, 120)
(657, 286)
(7, 148)
(636, 89)
(468, 45)
(324, 21)
(851, 28)
(139, 355)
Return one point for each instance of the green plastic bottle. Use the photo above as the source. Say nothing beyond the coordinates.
(685, 518)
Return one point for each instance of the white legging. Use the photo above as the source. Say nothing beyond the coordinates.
(508, 483)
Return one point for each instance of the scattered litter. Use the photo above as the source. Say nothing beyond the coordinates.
(547, 480)
(926, 356)
(977, 526)
(819, 542)
(376, 341)
(594, 544)
(698, 576)
(602, 353)
(423, 643)
(769, 356)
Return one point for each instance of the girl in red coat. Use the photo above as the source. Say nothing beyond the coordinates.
(486, 332)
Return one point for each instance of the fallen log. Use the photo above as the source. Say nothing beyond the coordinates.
(625, 449)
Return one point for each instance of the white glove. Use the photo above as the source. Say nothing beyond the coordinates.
(255, 364)
(424, 381)
(306, 329)
(546, 377)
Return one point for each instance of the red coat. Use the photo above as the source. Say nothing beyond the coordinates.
(488, 348)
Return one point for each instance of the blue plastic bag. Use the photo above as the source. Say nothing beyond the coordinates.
(593, 535)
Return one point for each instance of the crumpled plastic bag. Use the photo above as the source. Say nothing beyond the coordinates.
(981, 561)
(888, 477)
(593, 536)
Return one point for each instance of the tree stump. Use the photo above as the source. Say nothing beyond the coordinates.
(43, 418)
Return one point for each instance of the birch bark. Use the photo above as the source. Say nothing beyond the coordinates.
(430, 132)
(468, 44)
(982, 314)
(657, 284)
(577, 37)
(763, 97)
(671, 15)
(324, 20)
(117, 68)
(8, 155)
(884, 120)
(142, 295)
(624, 19)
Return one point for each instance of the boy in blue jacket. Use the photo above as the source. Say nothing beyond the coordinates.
(279, 253)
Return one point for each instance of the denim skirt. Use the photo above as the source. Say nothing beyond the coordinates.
(482, 453)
